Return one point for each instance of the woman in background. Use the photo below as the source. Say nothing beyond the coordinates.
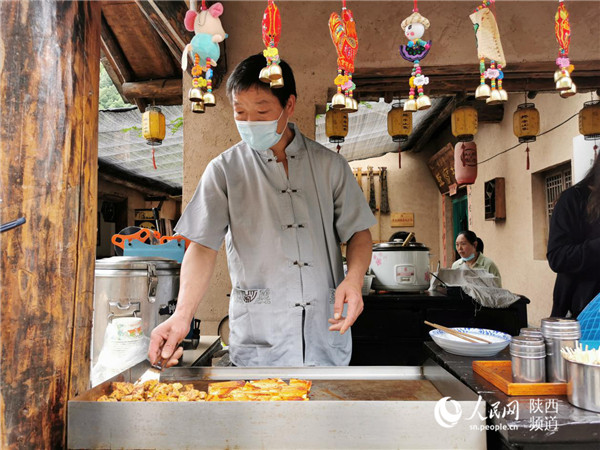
(470, 250)
(574, 245)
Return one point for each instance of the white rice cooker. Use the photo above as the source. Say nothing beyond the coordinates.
(399, 267)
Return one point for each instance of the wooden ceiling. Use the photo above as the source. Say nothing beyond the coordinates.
(141, 46)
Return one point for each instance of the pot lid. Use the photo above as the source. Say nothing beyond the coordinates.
(396, 245)
(136, 263)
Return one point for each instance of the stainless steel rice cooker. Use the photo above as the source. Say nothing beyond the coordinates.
(400, 268)
(131, 286)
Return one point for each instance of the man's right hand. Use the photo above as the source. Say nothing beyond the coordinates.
(165, 339)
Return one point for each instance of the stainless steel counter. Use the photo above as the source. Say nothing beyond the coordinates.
(350, 408)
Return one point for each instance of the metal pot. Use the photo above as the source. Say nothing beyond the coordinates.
(131, 286)
(399, 267)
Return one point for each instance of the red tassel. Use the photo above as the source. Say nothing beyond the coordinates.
(595, 151)
(153, 159)
(339, 147)
(399, 157)
(527, 151)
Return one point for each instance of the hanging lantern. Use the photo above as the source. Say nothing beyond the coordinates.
(153, 126)
(399, 123)
(589, 120)
(271, 32)
(336, 125)
(489, 46)
(343, 34)
(464, 123)
(204, 51)
(465, 162)
(526, 122)
(414, 27)
(562, 31)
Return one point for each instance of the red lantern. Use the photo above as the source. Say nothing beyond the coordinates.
(465, 162)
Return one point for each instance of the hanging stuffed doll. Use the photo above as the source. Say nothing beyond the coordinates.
(414, 27)
(343, 34)
(271, 32)
(204, 51)
(487, 38)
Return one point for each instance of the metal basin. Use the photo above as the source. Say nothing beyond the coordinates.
(583, 385)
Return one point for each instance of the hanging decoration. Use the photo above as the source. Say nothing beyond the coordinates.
(204, 51)
(465, 162)
(562, 31)
(271, 32)
(343, 33)
(487, 38)
(526, 125)
(589, 120)
(414, 27)
(399, 123)
(384, 203)
(464, 123)
(336, 126)
(153, 128)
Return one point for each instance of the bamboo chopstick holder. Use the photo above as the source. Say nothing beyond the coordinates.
(459, 334)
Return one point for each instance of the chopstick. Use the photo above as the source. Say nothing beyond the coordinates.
(458, 334)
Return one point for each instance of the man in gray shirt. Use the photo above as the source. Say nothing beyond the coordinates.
(283, 203)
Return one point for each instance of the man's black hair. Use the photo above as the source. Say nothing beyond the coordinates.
(245, 76)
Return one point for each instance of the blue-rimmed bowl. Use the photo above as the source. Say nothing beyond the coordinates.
(458, 346)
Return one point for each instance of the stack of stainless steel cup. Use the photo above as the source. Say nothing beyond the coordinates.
(559, 333)
(528, 359)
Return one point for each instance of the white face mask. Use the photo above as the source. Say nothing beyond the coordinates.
(259, 134)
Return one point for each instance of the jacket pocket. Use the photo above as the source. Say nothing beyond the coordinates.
(251, 317)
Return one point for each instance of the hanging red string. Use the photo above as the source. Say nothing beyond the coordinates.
(339, 147)
(595, 150)
(415, 8)
(203, 5)
(153, 159)
(527, 151)
(343, 4)
(399, 158)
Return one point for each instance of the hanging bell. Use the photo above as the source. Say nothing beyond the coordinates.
(275, 72)
(338, 101)
(569, 92)
(482, 92)
(410, 106)
(276, 84)
(198, 107)
(347, 105)
(495, 98)
(264, 75)
(558, 74)
(503, 95)
(209, 99)
(195, 94)
(564, 83)
(423, 102)
(354, 105)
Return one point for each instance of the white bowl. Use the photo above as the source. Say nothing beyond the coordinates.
(458, 346)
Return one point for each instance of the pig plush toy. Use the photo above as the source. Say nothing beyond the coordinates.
(209, 32)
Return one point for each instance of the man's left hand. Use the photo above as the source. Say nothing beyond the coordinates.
(347, 292)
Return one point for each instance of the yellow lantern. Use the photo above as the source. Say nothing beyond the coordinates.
(526, 122)
(336, 125)
(399, 123)
(464, 123)
(589, 120)
(153, 126)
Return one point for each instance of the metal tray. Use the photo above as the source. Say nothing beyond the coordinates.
(350, 407)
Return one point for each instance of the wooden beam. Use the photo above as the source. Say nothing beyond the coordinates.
(436, 120)
(112, 75)
(50, 139)
(114, 54)
(167, 18)
(116, 175)
(166, 88)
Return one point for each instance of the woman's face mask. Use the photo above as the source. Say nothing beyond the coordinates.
(260, 135)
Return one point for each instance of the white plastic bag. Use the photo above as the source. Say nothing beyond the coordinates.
(124, 346)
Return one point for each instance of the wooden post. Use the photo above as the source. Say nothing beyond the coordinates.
(49, 75)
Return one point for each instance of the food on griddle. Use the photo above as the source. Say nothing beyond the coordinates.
(270, 389)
